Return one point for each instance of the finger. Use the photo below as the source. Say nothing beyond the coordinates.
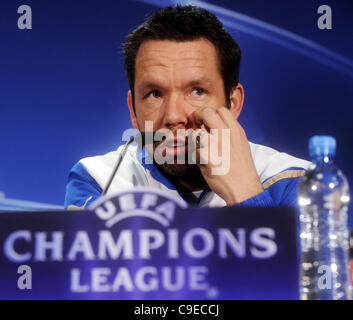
(210, 117)
(200, 142)
(199, 138)
(227, 116)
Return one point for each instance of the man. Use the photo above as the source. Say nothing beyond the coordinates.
(183, 71)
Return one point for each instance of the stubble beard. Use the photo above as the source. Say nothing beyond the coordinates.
(188, 171)
(185, 172)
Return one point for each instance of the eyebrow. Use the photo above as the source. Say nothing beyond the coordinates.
(149, 85)
(195, 82)
(202, 80)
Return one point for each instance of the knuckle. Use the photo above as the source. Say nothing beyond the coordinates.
(209, 110)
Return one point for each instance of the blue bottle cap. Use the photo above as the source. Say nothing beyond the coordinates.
(321, 146)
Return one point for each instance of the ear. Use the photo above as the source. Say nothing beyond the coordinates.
(237, 100)
(131, 109)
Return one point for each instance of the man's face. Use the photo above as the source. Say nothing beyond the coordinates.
(172, 80)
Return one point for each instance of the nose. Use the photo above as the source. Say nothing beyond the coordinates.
(175, 112)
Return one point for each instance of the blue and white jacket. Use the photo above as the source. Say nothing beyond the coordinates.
(279, 174)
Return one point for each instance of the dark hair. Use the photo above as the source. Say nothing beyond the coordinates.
(185, 23)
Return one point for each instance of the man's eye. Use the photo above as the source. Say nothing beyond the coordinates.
(198, 92)
(153, 94)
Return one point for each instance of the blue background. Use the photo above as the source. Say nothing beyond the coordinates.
(63, 86)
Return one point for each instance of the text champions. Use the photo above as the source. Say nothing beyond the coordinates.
(141, 248)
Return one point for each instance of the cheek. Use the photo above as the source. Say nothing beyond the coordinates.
(218, 102)
(148, 121)
(222, 98)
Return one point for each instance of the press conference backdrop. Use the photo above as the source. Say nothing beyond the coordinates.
(63, 86)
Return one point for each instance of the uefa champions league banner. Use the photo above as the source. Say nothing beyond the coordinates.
(145, 244)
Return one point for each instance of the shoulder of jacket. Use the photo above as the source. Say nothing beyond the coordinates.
(272, 165)
(101, 167)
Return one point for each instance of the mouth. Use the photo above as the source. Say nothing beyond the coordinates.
(173, 148)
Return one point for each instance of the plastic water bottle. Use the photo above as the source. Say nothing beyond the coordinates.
(324, 237)
(351, 258)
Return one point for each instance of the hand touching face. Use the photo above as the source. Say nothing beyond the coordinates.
(178, 85)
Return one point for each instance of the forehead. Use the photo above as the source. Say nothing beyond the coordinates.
(199, 53)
